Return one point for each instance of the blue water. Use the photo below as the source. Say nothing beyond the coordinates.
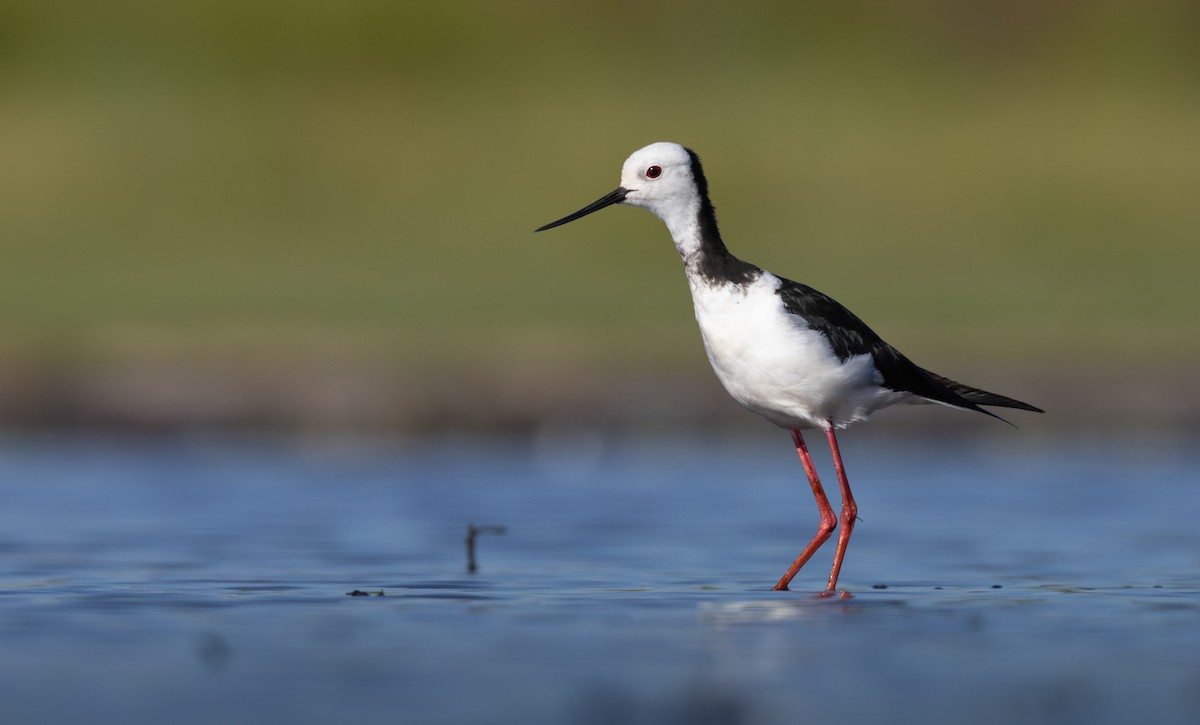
(199, 580)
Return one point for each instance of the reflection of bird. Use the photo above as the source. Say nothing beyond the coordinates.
(782, 349)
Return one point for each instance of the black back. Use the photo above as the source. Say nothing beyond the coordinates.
(850, 336)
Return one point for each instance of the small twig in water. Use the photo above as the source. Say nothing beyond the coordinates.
(473, 532)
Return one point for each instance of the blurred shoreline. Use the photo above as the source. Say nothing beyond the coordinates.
(374, 398)
(319, 216)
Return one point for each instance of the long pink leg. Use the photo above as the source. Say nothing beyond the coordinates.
(828, 521)
(849, 511)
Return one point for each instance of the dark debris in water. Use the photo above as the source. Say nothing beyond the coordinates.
(473, 533)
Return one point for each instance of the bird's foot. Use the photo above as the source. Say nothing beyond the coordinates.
(835, 593)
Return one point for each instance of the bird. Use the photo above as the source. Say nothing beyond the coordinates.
(781, 349)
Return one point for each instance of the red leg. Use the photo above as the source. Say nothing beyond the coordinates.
(828, 521)
(849, 511)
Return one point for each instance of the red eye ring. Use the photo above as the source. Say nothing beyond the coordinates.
(653, 172)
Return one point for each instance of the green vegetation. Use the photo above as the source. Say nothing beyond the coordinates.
(361, 178)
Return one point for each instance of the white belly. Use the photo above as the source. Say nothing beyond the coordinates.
(775, 365)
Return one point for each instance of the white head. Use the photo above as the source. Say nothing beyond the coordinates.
(661, 177)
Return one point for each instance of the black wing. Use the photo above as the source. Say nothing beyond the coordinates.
(982, 397)
(850, 336)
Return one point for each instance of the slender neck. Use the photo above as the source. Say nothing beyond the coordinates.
(684, 225)
(694, 229)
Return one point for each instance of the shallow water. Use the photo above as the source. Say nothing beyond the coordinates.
(204, 580)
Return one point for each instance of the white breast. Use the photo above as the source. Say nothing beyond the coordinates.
(771, 362)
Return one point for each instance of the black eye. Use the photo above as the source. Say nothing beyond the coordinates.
(653, 172)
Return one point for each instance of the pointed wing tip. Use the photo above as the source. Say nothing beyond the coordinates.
(1023, 406)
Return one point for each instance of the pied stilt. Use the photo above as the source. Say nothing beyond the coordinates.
(782, 349)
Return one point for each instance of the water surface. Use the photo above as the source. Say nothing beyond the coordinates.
(196, 580)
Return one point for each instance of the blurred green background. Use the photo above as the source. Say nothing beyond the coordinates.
(250, 212)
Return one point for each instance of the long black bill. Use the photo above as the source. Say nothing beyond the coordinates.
(616, 196)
